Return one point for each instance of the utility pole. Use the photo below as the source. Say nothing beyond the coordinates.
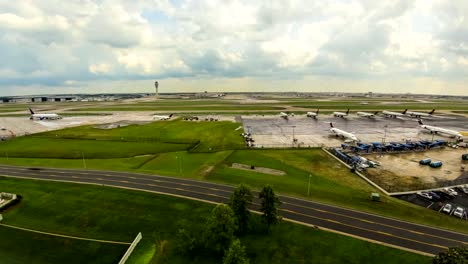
(308, 188)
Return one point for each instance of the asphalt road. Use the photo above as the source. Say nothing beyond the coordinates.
(404, 235)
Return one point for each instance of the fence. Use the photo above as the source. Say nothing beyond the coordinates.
(130, 249)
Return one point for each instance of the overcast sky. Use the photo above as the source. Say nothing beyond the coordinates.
(57, 46)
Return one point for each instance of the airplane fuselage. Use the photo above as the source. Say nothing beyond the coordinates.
(365, 114)
(342, 133)
(339, 114)
(45, 117)
(434, 129)
(392, 114)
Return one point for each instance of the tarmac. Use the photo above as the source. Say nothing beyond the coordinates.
(268, 131)
(370, 227)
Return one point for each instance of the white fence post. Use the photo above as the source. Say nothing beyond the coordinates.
(131, 248)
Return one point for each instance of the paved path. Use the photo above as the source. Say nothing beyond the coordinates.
(378, 229)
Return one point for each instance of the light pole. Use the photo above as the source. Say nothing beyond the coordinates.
(84, 161)
(385, 134)
(294, 138)
(308, 188)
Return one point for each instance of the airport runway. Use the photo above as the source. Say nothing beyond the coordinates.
(378, 229)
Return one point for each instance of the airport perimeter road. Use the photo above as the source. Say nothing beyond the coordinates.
(378, 229)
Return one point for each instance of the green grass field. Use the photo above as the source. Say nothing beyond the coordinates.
(118, 214)
(18, 247)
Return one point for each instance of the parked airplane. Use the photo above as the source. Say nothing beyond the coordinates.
(284, 115)
(340, 114)
(366, 114)
(162, 117)
(419, 114)
(342, 133)
(435, 130)
(313, 114)
(51, 116)
(394, 114)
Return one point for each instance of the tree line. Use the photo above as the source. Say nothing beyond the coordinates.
(227, 222)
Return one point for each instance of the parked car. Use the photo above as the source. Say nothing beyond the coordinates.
(425, 195)
(451, 191)
(447, 208)
(459, 211)
(435, 196)
(464, 189)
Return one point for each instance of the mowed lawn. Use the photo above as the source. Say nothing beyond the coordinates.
(125, 142)
(19, 247)
(118, 214)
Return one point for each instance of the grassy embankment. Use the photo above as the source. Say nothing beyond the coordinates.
(118, 214)
(153, 148)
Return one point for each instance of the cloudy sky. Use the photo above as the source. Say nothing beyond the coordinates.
(56, 46)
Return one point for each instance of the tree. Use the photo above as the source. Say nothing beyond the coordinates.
(452, 256)
(220, 228)
(241, 198)
(269, 206)
(235, 254)
(185, 241)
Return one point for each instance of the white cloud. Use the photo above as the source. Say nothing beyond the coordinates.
(53, 43)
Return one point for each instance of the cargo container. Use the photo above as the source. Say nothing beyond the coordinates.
(425, 161)
(436, 164)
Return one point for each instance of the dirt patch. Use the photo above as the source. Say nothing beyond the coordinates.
(120, 124)
(258, 169)
(402, 172)
(206, 171)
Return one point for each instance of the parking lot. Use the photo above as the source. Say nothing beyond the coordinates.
(460, 200)
(268, 131)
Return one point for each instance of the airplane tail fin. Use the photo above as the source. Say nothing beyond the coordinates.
(376, 112)
(431, 112)
(32, 112)
(331, 124)
(404, 112)
(347, 112)
(171, 115)
(420, 122)
(318, 109)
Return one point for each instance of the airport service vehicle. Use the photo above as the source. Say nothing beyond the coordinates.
(425, 195)
(447, 208)
(435, 130)
(341, 133)
(162, 117)
(419, 114)
(340, 114)
(366, 114)
(391, 114)
(51, 116)
(459, 212)
(313, 114)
